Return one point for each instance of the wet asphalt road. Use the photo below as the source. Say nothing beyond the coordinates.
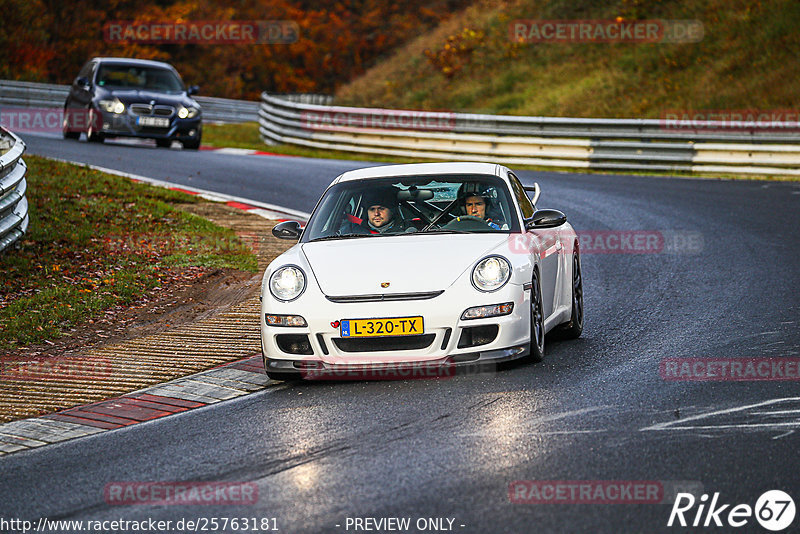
(597, 408)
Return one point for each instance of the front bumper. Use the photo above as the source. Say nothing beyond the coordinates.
(125, 125)
(448, 343)
(443, 367)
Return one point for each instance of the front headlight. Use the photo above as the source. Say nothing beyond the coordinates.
(287, 283)
(187, 113)
(112, 106)
(491, 273)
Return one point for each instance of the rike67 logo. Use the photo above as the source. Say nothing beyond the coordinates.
(774, 511)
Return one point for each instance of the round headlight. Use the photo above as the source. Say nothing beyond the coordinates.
(112, 106)
(287, 283)
(491, 273)
(186, 113)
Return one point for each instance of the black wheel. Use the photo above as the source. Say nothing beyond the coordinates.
(67, 129)
(163, 143)
(574, 327)
(537, 320)
(194, 144)
(92, 135)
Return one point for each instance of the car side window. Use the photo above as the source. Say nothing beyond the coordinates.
(522, 198)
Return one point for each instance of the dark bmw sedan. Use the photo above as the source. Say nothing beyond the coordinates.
(114, 97)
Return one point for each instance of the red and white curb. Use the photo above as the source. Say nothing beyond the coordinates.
(194, 391)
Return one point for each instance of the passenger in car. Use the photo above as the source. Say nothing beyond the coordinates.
(380, 208)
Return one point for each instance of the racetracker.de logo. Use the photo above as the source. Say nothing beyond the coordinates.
(396, 371)
(610, 242)
(202, 32)
(46, 120)
(586, 492)
(58, 368)
(180, 493)
(606, 31)
(730, 369)
(731, 120)
(383, 119)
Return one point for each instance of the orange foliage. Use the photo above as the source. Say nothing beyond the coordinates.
(44, 40)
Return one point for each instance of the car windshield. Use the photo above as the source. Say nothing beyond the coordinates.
(413, 205)
(139, 77)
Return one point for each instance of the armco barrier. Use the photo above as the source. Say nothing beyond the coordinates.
(13, 204)
(608, 144)
(42, 95)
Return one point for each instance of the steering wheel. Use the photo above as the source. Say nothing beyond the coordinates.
(466, 222)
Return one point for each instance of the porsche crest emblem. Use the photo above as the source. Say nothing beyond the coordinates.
(384, 285)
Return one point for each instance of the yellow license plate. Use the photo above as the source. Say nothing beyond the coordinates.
(395, 326)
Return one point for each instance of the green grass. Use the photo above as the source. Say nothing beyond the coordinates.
(245, 135)
(747, 59)
(97, 241)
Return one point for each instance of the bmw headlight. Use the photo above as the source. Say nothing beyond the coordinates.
(491, 273)
(287, 283)
(112, 106)
(187, 113)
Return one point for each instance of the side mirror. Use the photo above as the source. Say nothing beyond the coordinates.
(82, 81)
(545, 219)
(287, 230)
(193, 90)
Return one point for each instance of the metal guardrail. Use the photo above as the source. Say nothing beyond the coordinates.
(44, 95)
(608, 144)
(13, 204)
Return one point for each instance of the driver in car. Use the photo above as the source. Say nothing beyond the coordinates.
(475, 202)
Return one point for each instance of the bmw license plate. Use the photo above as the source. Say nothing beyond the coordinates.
(157, 122)
(395, 326)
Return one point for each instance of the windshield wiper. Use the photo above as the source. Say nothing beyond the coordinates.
(440, 231)
(338, 236)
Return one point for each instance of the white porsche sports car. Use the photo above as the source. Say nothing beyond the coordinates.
(419, 267)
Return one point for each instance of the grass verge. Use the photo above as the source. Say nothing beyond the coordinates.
(98, 241)
(245, 135)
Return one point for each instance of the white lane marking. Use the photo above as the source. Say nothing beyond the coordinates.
(564, 415)
(789, 433)
(234, 151)
(671, 425)
(273, 209)
(533, 433)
